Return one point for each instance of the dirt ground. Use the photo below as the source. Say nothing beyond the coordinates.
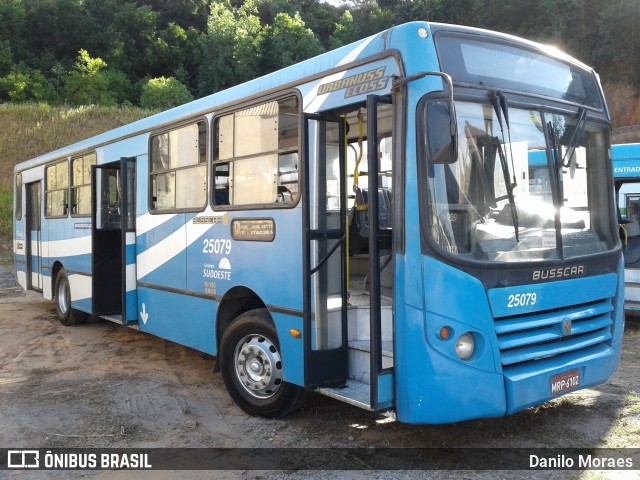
(102, 385)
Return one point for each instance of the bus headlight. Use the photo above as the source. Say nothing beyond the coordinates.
(465, 346)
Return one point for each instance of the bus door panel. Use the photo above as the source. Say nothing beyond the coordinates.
(324, 252)
(380, 221)
(113, 240)
(128, 206)
(34, 236)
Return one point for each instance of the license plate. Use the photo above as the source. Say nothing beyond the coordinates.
(563, 382)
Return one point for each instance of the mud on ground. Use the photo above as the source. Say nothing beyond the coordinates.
(102, 385)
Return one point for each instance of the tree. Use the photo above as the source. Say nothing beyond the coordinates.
(6, 57)
(87, 84)
(618, 52)
(232, 47)
(247, 52)
(288, 41)
(344, 32)
(136, 29)
(22, 84)
(120, 87)
(216, 71)
(163, 93)
(56, 30)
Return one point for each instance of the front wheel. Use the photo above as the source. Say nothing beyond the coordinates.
(252, 367)
(66, 314)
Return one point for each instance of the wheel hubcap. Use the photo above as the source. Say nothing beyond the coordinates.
(258, 366)
(63, 296)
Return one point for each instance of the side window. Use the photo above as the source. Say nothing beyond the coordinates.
(57, 190)
(18, 196)
(256, 155)
(81, 184)
(179, 169)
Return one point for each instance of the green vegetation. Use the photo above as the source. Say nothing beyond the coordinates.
(6, 203)
(104, 52)
(164, 93)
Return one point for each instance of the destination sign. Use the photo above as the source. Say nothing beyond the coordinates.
(256, 230)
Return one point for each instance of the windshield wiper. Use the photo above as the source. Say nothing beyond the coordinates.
(557, 188)
(510, 185)
(499, 103)
(557, 165)
(576, 137)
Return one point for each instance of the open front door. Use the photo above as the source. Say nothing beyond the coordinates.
(113, 241)
(381, 379)
(324, 252)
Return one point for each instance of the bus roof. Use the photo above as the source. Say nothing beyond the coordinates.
(626, 151)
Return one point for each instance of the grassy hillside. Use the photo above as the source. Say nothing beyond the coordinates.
(29, 130)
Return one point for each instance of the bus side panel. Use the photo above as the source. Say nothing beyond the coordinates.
(180, 318)
(19, 252)
(161, 254)
(291, 348)
(210, 266)
(70, 245)
(270, 266)
(65, 241)
(81, 289)
(131, 300)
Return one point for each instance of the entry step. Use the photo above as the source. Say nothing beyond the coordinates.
(118, 319)
(632, 306)
(365, 346)
(354, 393)
(360, 359)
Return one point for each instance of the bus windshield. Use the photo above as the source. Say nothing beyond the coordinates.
(527, 185)
(494, 64)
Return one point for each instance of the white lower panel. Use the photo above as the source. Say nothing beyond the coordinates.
(21, 277)
(81, 287)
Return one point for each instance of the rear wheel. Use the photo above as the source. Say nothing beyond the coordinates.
(66, 314)
(252, 367)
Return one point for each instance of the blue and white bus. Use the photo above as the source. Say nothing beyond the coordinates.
(242, 225)
(626, 173)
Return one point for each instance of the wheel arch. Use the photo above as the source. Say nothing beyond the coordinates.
(235, 302)
(55, 270)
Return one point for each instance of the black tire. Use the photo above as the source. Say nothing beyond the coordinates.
(62, 293)
(252, 369)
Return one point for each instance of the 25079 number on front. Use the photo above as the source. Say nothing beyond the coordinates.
(521, 300)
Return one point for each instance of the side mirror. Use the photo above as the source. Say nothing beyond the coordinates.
(442, 131)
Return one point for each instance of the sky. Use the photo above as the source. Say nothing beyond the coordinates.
(336, 3)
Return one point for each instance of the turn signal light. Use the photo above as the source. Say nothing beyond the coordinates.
(445, 332)
(295, 333)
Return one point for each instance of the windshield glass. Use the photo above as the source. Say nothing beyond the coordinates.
(534, 188)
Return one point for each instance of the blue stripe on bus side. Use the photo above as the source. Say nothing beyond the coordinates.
(159, 233)
(171, 274)
(75, 263)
